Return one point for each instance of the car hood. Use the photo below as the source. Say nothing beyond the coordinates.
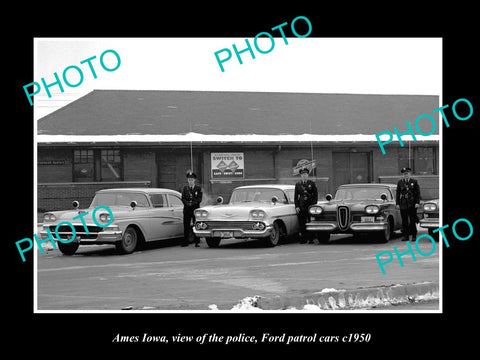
(68, 215)
(354, 205)
(239, 211)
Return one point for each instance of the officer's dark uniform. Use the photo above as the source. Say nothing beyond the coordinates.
(306, 194)
(408, 194)
(191, 198)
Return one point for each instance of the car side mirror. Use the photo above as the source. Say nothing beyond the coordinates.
(133, 204)
(274, 199)
(328, 197)
(219, 200)
(383, 196)
(75, 204)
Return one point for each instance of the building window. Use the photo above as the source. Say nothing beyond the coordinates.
(83, 166)
(421, 159)
(111, 165)
(97, 165)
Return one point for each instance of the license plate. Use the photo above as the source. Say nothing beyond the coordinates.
(224, 234)
(368, 218)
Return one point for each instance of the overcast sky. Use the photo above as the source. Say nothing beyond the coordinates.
(313, 65)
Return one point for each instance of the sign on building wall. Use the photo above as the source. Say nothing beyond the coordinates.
(227, 165)
(303, 163)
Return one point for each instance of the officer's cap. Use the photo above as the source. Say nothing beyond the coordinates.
(303, 170)
(406, 169)
(191, 174)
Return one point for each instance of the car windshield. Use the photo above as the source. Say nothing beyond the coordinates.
(120, 198)
(361, 193)
(257, 195)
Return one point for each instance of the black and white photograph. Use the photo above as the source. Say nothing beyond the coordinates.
(242, 183)
(243, 195)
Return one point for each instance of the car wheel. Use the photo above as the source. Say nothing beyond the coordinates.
(385, 235)
(323, 238)
(68, 249)
(129, 241)
(274, 237)
(213, 242)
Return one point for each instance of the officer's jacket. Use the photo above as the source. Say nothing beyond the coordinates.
(408, 193)
(305, 194)
(192, 198)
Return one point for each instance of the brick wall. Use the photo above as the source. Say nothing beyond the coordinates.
(59, 196)
(429, 184)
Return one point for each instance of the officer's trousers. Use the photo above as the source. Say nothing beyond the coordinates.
(188, 216)
(303, 218)
(409, 219)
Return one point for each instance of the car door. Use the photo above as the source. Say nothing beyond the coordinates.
(396, 212)
(162, 220)
(291, 218)
(175, 207)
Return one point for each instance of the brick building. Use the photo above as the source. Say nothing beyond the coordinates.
(126, 138)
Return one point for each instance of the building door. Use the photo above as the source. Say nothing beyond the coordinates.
(351, 167)
(173, 164)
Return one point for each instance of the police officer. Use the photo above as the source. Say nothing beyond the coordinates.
(408, 200)
(191, 198)
(306, 194)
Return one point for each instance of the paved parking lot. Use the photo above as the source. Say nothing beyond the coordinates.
(165, 276)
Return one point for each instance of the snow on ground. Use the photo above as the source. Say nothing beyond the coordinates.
(341, 303)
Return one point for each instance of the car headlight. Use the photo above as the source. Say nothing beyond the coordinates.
(258, 214)
(201, 214)
(201, 226)
(429, 207)
(372, 209)
(104, 217)
(49, 217)
(258, 226)
(315, 210)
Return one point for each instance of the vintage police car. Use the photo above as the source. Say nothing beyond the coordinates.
(139, 215)
(255, 211)
(356, 209)
(430, 218)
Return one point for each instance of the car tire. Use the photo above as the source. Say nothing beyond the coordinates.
(68, 249)
(129, 241)
(385, 235)
(274, 237)
(323, 238)
(213, 242)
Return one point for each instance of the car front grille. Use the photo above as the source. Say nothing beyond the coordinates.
(230, 225)
(325, 217)
(65, 231)
(343, 216)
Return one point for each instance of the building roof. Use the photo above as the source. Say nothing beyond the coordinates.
(169, 113)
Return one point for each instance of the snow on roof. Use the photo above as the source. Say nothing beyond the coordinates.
(219, 139)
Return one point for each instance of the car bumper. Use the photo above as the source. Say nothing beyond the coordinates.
(108, 235)
(332, 227)
(429, 223)
(236, 233)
